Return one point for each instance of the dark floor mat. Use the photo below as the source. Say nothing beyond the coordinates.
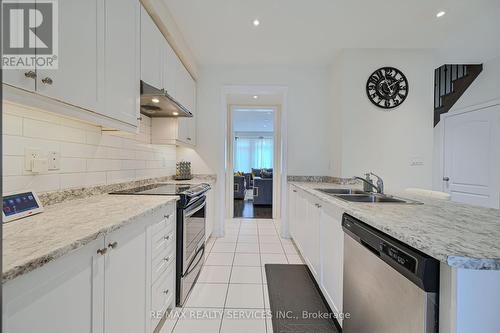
(293, 293)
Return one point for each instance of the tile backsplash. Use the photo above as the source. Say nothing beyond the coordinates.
(88, 155)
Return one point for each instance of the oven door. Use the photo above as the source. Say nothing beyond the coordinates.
(193, 230)
(190, 276)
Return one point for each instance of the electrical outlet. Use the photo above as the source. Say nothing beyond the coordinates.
(31, 154)
(54, 160)
(416, 161)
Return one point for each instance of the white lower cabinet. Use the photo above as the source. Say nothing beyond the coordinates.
(104, 287)
(125, 280)
(316, 229)
(210, 213)
(63, 296)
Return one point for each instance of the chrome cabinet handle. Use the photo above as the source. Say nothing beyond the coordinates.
(113, 245)
(318, 205)
(189, 139)
(30, 74)
(167, 237)
(165, 292)
(47, 80)
(167, 216)
(294, 191)
(102, 251)
(446, 179)
(167, 259)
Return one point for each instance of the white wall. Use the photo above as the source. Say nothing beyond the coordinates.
(88, 155)
(384, 142)
(198, 165)
(307, 115)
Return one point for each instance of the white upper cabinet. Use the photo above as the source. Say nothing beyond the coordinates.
(152, 51)
(76, 80)
(122, 60)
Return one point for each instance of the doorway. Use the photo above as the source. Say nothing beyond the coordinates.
(253, 156)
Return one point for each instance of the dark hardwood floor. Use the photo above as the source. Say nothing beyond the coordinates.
(246, 209)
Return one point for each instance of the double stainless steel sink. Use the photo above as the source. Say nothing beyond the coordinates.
(354, 195)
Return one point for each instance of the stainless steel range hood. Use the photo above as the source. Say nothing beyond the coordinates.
(158, 103)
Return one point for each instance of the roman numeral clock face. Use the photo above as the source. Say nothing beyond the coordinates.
(387, 87)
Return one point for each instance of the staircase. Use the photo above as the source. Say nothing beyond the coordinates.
(450, 82)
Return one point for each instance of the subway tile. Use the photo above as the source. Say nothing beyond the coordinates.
(69, 164)
(119, 176)
(103, 165)
(13, 165)
(12, 125)
(79, 150)
(71, 180)
(70, 134)
(40, 129)
(39, 183)
(111, 141)
(133, 164)
(15, 145)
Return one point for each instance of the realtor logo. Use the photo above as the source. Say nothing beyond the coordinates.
(29, 31)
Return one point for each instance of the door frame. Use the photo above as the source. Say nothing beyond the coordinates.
(280, 127)
(276, 155)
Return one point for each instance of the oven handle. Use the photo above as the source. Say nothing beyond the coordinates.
(190, 269)
(191, 212)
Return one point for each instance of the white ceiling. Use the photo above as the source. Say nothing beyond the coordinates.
(311, 32)
(253, 120)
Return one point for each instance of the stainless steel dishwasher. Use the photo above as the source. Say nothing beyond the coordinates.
(389, 287)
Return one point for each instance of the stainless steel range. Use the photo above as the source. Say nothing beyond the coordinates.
(191, 217)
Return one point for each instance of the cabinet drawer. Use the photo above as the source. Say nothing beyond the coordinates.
(162, 240)
(162, 295)
(167, 222)
(162, 262)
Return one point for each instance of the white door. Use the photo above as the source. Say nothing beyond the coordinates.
(152, 60)
(332, 257)
(21, 78)
(125, 280)
(63, 296)
(472, 157)
(76, 80)
(122, 34)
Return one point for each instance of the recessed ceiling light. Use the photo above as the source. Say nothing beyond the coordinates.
(155, 100)
(175, 113)
(256, 23)
(255, 96)
(440, 14)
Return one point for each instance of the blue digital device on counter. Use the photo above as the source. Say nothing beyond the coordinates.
(19, 205)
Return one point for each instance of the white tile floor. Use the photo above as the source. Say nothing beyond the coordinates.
(231, 292)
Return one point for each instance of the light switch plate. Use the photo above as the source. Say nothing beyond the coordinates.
(54, 160)
(30, 154)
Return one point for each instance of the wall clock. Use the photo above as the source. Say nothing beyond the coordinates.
(387, 87)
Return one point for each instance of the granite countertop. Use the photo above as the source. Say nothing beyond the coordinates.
(32, 242)
(463, 236)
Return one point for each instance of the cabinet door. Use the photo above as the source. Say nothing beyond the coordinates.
(122, 60)
(21, 78)
(311, 248)
(332, 251)
(169, 68)
(76, 80)
(292, 217)
(152, 60)
(125, 280)
(63, 296)
(301, 221)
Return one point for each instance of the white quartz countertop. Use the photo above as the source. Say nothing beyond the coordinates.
(32, 242)
(463, 236)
